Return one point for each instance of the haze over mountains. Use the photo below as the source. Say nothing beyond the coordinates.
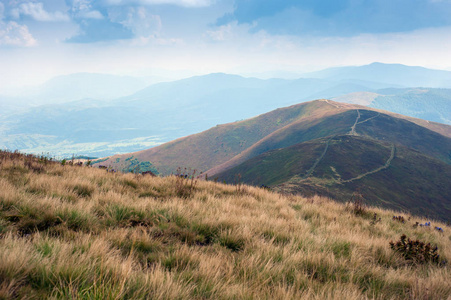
(424, 103)
(396, 74)
(73, 87)
(97, 125)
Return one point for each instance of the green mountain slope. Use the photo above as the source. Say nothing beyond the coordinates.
(221, 143)
(225, 146)
(388, 175)
(357, 122)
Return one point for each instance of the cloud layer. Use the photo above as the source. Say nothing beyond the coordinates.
(38, 13)
(97, 21)
(186, 3)
(339, 17)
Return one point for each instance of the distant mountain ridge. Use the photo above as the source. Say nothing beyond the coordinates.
(77, 86)
(425, 103)
(407, 76)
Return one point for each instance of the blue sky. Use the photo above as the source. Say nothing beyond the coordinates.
(44, 38)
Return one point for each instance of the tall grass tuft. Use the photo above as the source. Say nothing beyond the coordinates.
(185, 183)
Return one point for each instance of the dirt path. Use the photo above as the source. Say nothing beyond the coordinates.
(387, 164)
(327, 101)
(352, 132)
(310, 171)
(378, 114)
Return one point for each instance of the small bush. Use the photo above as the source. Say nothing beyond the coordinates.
(417, 251)
(375, 219)
(399, 219)
(265, 187)
(33, 166)
(358, 205)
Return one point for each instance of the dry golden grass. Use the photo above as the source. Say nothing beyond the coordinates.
(81, 233)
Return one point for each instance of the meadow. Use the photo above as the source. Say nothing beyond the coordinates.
(77, 232)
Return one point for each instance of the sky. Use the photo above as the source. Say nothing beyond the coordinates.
(40, 39)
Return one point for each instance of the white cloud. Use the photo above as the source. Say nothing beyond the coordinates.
(138, 19)
(186, 3)
(38, 13)
(13, 34)
(156, 41)
(81, 5)
(223, 33)
(91, 14)
(179, 2)
(83, 9)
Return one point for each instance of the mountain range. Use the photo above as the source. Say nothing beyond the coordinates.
(406, 76)
(424, 103)
(165, 111)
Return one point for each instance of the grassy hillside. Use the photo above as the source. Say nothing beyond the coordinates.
(224, 146)
(388, 175)
(368, 123)
(221, 143)
(83, 233)
(403, 132)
